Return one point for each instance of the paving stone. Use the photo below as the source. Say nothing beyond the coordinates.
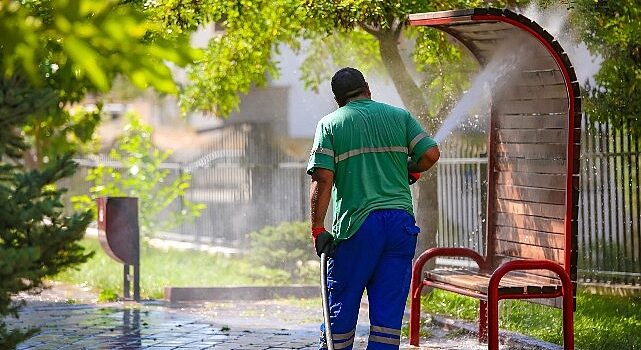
(208, 326)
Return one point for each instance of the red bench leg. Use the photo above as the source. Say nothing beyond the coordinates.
(493, 319)
(415, 311)
(568, 318)
(482, 321)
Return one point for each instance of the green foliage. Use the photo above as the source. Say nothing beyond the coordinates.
(613, 29)
(327, 53)
(166, 267)
(242, 56)
(62, 42)
(36, 238)
(68, 48)
(107, 295)
(62, 131)
(287, 247)
(52, 53)
(600, 321)
(141, 175)
(340, 33)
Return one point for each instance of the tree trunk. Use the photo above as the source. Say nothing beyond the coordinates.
(426, 209)
(408, 90)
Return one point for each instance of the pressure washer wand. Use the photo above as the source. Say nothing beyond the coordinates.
(329, 339)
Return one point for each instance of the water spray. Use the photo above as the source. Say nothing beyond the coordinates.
(508, 60)
(492, 77)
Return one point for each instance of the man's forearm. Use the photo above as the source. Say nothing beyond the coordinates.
(320, 194)
(427, 160)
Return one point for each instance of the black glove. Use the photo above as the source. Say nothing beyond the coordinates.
(324, 243)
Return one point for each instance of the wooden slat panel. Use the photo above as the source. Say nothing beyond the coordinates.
(541, 91)
(540, 106)
(479, 27)
(540, 166)
(554, 121)
(554, 151)
(538, 238)
(530, 194)
(542, 77)
(530, 223)
(532, 136)
(552, 211)
(553, 181)
(490, 34)
(539, 63)
(529, 251)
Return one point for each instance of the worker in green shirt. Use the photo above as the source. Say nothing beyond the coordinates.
(362, 157)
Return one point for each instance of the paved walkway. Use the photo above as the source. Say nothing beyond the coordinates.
(274, 324)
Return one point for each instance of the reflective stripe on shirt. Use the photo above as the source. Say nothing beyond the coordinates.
(416, 140)
(321, 150)
(341, 157)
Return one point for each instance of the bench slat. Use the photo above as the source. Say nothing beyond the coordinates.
(530, 223)
(539, 166)
(530, 194)
(537, 238)
(552, 181)
(555, 151)
(553, 211)
(534, 136)
(525, 121)
(478, 282)
(526, 251)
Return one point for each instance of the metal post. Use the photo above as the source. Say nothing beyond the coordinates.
(126, 281)
(137, 281)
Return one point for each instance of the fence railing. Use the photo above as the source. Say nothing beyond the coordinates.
(247, 183)
(609, 206)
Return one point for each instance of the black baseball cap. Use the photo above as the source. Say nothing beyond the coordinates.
(347, 82)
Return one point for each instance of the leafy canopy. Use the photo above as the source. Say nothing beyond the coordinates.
(613, 29)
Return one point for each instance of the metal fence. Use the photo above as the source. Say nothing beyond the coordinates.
(247, 182)
(243, 178)
(461, 178)
(609, 206)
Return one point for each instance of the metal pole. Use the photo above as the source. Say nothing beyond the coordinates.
(137, 281)
(126, 281)
(329, 339)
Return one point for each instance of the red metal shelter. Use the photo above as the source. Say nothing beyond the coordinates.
(533, 169)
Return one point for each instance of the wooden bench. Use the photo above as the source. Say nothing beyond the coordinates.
(532, 179)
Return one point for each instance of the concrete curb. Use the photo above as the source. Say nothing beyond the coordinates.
(509, 338)
(199, 294)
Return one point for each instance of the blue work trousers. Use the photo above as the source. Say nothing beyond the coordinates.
(378, 257)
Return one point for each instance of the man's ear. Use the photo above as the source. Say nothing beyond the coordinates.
(367, 91)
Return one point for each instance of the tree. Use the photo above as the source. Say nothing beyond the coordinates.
(613, 29)
(141, 175)
(366, 34)
(54, 53)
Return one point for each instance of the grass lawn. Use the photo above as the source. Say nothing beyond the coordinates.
(600, 322)
(160, 268)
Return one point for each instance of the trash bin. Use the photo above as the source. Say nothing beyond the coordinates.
(119, 236)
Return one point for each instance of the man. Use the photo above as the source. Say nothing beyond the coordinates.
(360, 158)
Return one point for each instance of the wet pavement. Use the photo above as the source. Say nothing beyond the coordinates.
(80, 323)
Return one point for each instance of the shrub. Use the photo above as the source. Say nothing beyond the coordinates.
(287, 247)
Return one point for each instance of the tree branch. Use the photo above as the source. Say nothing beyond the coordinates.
(370, 29)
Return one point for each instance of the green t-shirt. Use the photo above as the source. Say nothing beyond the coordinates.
(366, 144)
